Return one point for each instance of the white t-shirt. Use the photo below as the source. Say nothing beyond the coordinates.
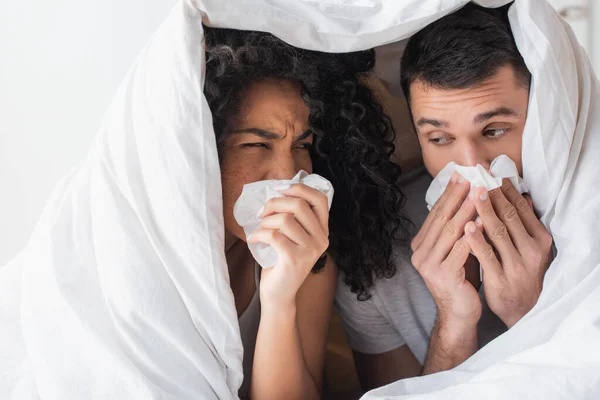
(401, 310)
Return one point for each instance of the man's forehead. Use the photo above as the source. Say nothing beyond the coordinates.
(499, 96)
(502, 85)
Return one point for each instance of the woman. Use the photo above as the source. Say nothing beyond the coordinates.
(277, 110)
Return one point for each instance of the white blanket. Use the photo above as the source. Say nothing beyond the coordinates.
(123, 291)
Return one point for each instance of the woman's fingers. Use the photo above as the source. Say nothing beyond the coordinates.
(295, 225)
(300, 210)
(285, 247)
(289, 226)
(275, 239)
(317, 201)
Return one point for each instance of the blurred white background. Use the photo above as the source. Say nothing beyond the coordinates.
(61, 62)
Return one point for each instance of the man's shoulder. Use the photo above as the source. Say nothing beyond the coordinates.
(392, 293)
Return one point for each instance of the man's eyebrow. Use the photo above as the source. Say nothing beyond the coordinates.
(500, 111)
(429, 121)
(270, 135)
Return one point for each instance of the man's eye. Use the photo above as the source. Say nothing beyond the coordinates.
(263, 145)
(496, 132)
(440, 141)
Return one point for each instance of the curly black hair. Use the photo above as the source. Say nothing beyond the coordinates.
(353, 140)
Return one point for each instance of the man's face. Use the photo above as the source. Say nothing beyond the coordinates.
(470, 126)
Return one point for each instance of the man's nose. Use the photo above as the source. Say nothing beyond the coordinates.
(471, 155)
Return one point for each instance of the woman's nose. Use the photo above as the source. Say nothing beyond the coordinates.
(282, 167)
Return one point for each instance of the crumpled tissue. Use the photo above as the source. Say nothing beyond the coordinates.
(501, 168)
(251, 204)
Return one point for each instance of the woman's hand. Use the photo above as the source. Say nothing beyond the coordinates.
(297, 227)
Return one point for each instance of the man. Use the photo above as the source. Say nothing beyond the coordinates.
(467, 88)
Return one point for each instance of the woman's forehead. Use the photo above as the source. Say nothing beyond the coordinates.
(275, 106)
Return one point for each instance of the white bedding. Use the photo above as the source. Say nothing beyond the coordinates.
(123, 291)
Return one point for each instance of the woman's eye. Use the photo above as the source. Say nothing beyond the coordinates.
(496, 132)
(304, 146)
(440, 141)
(260, 145)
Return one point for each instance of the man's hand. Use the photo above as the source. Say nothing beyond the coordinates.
(514, 268)
(440, 252)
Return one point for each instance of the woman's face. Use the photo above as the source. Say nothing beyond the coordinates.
(270, 140)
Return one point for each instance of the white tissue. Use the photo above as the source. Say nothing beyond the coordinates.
(502, 168)
(252, 201)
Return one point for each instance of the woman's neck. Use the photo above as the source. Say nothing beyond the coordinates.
(240, 265)
(237, 253)
(230, 241)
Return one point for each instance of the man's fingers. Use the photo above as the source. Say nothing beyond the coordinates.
(529, 201)
(444, 212)
(418, 239)
(453, 230)
(510, 217)
(458, 255)
(524, 207)
(495, 229)
(483, 251)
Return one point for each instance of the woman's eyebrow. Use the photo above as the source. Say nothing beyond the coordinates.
(303, 136)
(271, 135)
(259, 132)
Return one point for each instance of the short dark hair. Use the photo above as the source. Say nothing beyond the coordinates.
(462, 50)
